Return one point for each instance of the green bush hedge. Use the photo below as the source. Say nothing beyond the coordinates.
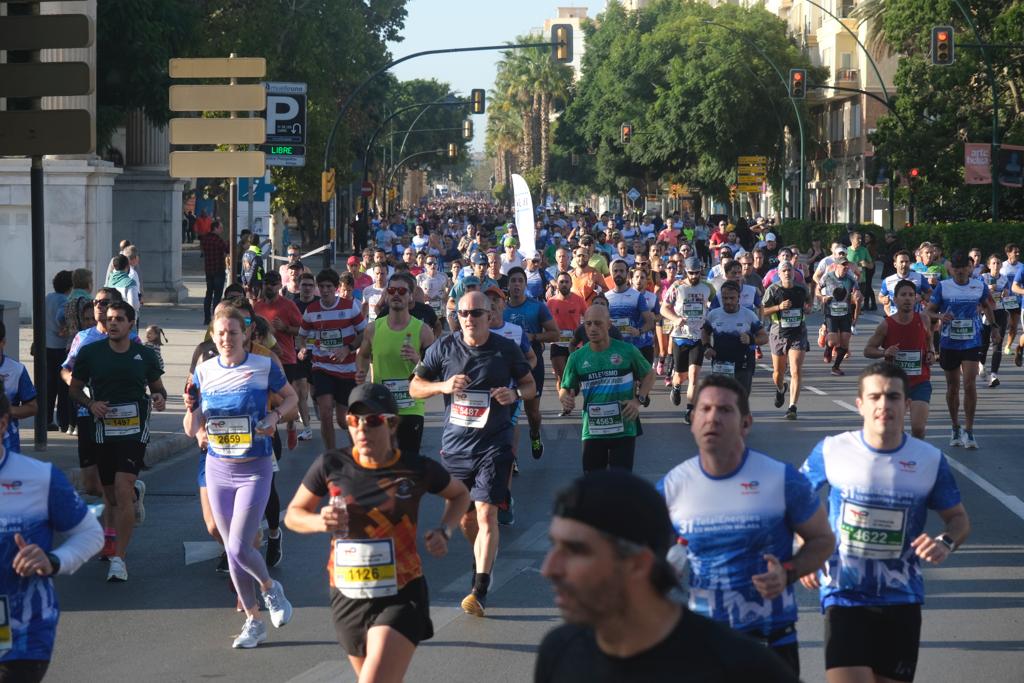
(989, 237)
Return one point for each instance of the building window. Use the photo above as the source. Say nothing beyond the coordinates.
(844, 7)
(855, 124)
(845, 60)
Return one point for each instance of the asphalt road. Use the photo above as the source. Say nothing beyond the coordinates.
(174, 620)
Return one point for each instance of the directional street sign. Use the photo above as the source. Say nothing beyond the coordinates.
(748, 188)
(366, 189)
(633, 194)
(286, 124)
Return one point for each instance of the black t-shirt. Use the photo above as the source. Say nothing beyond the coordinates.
(698, 650)
(382, 502)
(476, 425)
(790, 323)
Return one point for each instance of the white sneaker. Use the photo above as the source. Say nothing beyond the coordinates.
(993, 381)
(955, 438)
(117, 572)
(853, 330)
(969, 442)
(278, 606)
(253, 633)
(140, 508)
(306, 434)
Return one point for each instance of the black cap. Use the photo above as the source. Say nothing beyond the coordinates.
(620, 504)
(371, 398)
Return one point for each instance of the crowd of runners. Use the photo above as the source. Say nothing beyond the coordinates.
(445, 301)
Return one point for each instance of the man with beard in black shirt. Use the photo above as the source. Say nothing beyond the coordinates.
(609, 536)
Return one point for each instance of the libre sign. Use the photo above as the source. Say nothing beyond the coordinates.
(286, 124)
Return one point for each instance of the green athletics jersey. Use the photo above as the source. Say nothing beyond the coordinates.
(605, 378)
(121, 380)
(389, 368)
(856, 256)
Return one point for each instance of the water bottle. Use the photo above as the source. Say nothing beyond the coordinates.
(193, 391)
(262, 424)
(337, 501)
(678, 557)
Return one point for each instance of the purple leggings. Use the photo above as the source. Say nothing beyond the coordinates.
(238, 496)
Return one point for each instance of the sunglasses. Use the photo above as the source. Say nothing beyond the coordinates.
(397, 290)
(367, 421)
(102, 303)
(671, 266)
(431, 263)
(474, 312)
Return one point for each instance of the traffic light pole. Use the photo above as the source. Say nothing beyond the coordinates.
(995, 109)
(394, 169)
(343, 110)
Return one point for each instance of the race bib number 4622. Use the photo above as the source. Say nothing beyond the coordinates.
(872, 532)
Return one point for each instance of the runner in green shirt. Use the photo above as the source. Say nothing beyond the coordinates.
(607, 371)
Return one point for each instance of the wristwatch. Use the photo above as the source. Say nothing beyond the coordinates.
(791, 575)
(946, 540)
(446, 532)
(54, 562)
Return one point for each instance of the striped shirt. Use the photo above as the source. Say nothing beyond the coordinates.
(331, 328)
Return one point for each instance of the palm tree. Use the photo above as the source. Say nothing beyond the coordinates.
(551, 87)
(872, 13)
(504, 136)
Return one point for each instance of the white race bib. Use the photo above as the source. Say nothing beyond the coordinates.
(909, 362)
(604, 419)
(331, 339)
(365, 568)
(400, 390)
(471, 409)
(1010, 303)
(6, 635)
(565, 337)
(790, 318)
(961, 329)
(839, 308)
(621, 324)
(122, 419)
(873, 533)
(230, 437)
(723, 368)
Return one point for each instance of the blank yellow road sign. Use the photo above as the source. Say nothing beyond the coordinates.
(218, 67)
(218, 131)
(218, 98)
(218, 164)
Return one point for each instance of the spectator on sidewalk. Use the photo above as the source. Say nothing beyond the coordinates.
(215, 261)
(56, 352)
(121, 280)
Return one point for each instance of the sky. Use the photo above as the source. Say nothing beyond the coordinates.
(435, 24)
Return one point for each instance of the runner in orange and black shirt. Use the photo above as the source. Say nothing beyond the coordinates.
(379, 600)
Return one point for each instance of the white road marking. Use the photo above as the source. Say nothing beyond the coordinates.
(816, 390)
(337, 671)
(844, 404)
(528, 537)
(201, 551)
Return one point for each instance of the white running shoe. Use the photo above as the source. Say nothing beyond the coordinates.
(955, 438)
(278, 606)
(306, 434)
(253, 633)
(969, 442)
(140, 508)
(117, 572)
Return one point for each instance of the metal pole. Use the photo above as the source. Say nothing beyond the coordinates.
(42, 420)
(995, 110)
(878, 74)
(892, 203)
(232, 212)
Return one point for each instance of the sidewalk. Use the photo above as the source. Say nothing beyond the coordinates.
(183, 326)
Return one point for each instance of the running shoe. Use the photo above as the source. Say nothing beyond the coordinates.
(853, 330)
(563, 412)
(837, 372)
(659, 367)
(306, 434)
(253, 633)
(676, 395)
(969, 442)
(474, 604)
(515, 467)
(109, 546)
(118, 572)
(293, 438)
(780, 394)
(1018, 356)
(277, 604)
(758, 353)
(688, 415)
(222, 564)
(536, 446)
(274, 551)
(507, 513)
(828, 353)
(955, 438)
(994, 381)
(140, 496)
(791, 412)
(821, 337)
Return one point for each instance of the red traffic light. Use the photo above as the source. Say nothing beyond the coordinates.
(798, 76)
(942, 35)
(914, 172)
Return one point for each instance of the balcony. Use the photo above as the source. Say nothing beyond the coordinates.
(848, 78)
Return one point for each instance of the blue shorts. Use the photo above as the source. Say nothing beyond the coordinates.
(921, 392)
(486, 476)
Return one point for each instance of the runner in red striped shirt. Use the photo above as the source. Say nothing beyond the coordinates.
(335, 327)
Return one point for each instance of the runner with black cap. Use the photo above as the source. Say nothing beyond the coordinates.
(609, 537)
(379, 601)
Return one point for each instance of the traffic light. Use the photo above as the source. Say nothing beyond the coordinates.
(625, 133)
(327, 185)
(914, 174)
(561, 43)
(477, 102)
(798, 83)
(453, 150)
(467, 130)
(942, 45)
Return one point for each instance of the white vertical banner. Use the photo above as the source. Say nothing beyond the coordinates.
(524, 217)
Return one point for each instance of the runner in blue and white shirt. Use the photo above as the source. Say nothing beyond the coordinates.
(19, 390)
(630, 312)
(36, 501)
(902, 260)
(956, 302)
(738, 510)
(882, 484)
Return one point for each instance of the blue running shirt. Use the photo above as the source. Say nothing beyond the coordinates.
(626, 309)
(878, 504)
(19, 390)
(964, 330)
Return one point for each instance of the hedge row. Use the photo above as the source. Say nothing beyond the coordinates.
(989, 237)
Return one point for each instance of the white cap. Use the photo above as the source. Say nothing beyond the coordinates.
(770, 237)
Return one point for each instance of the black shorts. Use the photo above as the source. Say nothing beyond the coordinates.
(648, 353)
(609, 454)
(685, 356)
(87, 453)
(292, 372)
(885, 638)
(559, 351)
(950, 359)
(538, 372)
(119, 456)
(336, 387)
(840, 323)
(306, 367)
(408, 612)
(486, 476)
